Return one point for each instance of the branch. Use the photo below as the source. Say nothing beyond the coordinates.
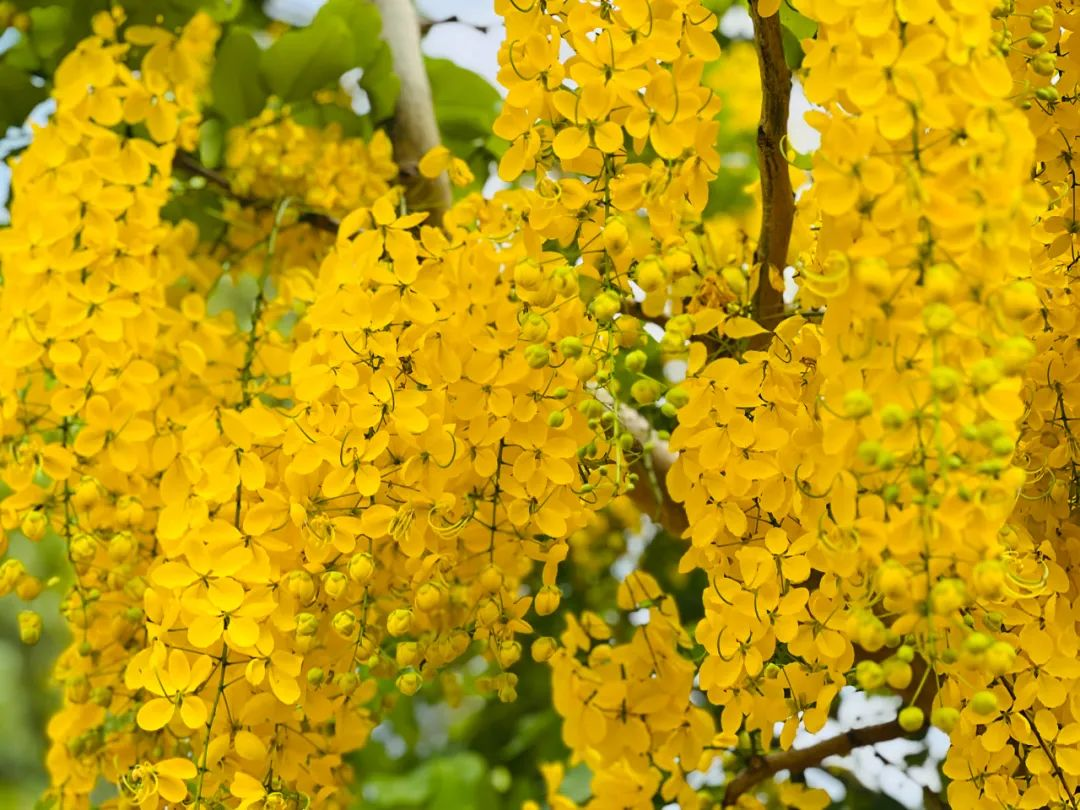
(799, 759)
(650, 494)
(426, 24)
(415, 128)
(189, 164)
(777, 198)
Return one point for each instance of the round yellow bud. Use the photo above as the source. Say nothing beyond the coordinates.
(897, 673)
(650, 275)
(605, 306)
(528, 275)
(409, 683)
(893, 580)
(1019, 300)
(1000, 657)
(407, 653)
(399, 622)
(361, 568)
(1015, 353)
(344, 623)
(307, 624)
(984, 703)
(547, 600)
(940, 282)
(508, 654)
(874, 275)
(534, 328)
(29, 627)
(491, 579)
(86, 494)
(869, 675)
(945, 718)
(544, 648)
(28, 587)
(911, 718)
(301, 585)
(335, 583)
(615, 236)
(585, 368)
(857, 404)
(429, 596)
(34, 525)
(938, 318)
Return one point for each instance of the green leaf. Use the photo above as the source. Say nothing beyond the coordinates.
(320, 116)
(465, 104)
(308, 59)
(381, 84)
(793, 52)
(577, 783)
(211, 142)
(362, 20)
(343, 35)
(409, 790)
(19, 95)
(238, 296)
(798, 24)
(238, 89)
(48, 30)
(460, 784)
(219, 10)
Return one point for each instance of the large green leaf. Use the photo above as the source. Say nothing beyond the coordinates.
(362, 20)
(465, 104)
(48, 30)
(308, 59)
(381, 84)
(795, 28)
(343, 35)
(798, 24)
(238, 296)
(19, 95)
(238, 89)
(211, 142)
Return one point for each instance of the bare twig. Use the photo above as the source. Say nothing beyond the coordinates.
(189, 164)
(650, 494)
(777, 198)
(799, 759)
(415, 128)
(426, 24)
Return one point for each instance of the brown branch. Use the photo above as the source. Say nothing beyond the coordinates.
(426, 24)
(415, 129)
(777, 198)
(650, 493)
(799, 759)
(189, 164)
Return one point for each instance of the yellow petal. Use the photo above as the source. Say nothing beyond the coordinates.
(226, 594)
(249, 746)
(435, 162)
(242, 632)
(204, 631)
(742, 327)
(173, 575)
(766, 8)
(177, 768)
(284, 688)
(246, 787)
(193, 712)
(570, 143)
(367, 480)
(155, 714)
(171, 790)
